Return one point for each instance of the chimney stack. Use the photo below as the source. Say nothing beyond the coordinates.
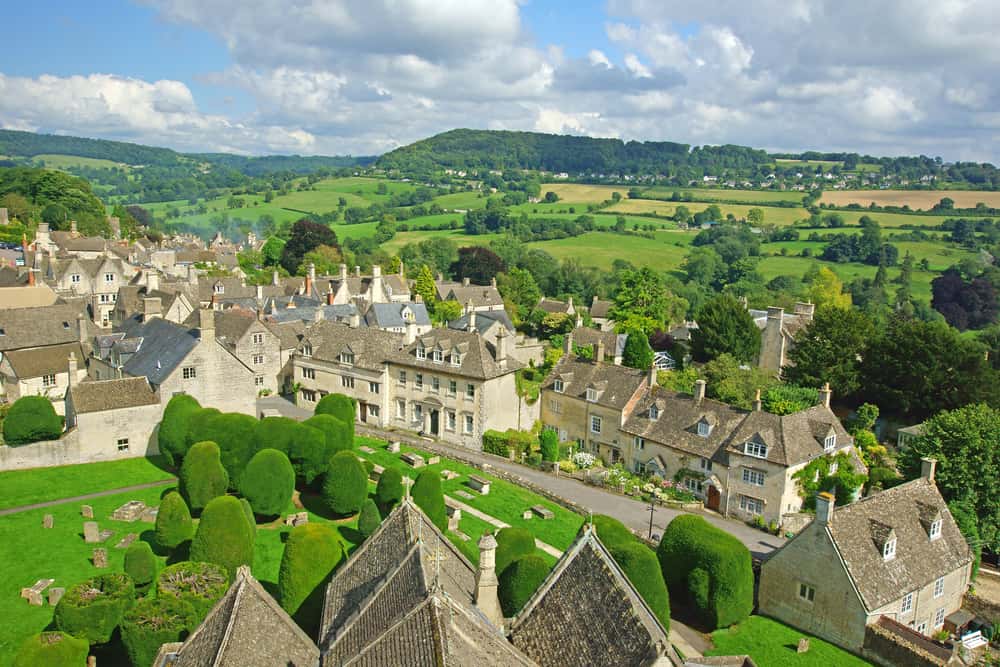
(653, 380)
(493, 282)
(599, 351)
(206, 323)
(501, 347)
(928, 467)
(377, 292)
(318, 314)
(81, 327)
(469, 306)
(310, 278)
(805, 310)
(260, 293)
(775, 313)
(486, 581)
(471, 327)
(329, 297)
(73, 369)
(824, 395)
(699, 391)
(72, 228)
(152, 281)
(401, 273)
(411, 333)
(275, 278)
(31, 277)
(343, 272)
(465, 282)
(568, 343)
(824, 508)
(192, 275)
(757, 403)
(151, 308)
(354, 321)
(357, 271)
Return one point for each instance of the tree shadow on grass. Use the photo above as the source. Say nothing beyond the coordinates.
(352, 535)
(309, 612)
(149, 537)
(314, 503)
(181, 553)
(686, 613)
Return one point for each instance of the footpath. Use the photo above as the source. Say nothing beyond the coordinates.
(87, 496)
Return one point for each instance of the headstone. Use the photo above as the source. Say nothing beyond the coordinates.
(454, 516)
(127, 541)
(376, 472)
(394, 448)
(130, 511)
(367, 450)
(100, 557)
(34, 594)
(301, 518)
(91, 533)
(803, 646)
(105, 535)
(543, 512)
(434, 460)
(414, 460)
(87, 511)
(55, 594)
(47, 521)
(149, 515)
(464, 494)
(448, 474)
(527, 514)
(480, 484)
(290, 520)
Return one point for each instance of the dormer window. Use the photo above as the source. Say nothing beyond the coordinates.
(591, 395)
(935, 530)
(421, 353)
(654, 413)
(755, 449)
(830, 442)
(437, 356)
(557, 386)
(219, 288)
(704, 428)
(346, 358)
(456, 359)
(307, 350)
(889, 550)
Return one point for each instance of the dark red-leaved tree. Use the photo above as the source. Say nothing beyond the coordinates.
(478, 264)
(306, 235)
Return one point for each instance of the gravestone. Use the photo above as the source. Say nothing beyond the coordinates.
(414, 460)
(479, 484)
(127, 541)
(803, 646)
(543, 512)
(105, 535)
(100, 557)
(130, 511)
(87, 511)
(376, 472)
(464, 494)
(149, 514)
(449, 474)
(34, 594)
(394, 447)
(47, 521)
(367, 450)
(91, 533)
(433, 460)
(454, 516)
(527, 514)
(55, 594)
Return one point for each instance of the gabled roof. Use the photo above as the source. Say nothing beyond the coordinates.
(386, 315)
(478, 357)
(38, 327)
(163, 346)
(247, 627)
(38, 361)
(859, 530)
(586, 613)
(484, 320)
(480, 295)
(553, 306)
(100, 395)
(601, 308)
(620, 383)
(372, 346)
(614, 343)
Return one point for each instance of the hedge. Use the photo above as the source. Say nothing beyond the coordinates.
(173, 522)
(346, 485)
(275, 433)
(370, 519)
(140, 564)
(224, 536)
(519, 582)
(548, 442)
(268, 482)
(31, 419)
(172, 436)
(513, 543)
(612, 532)
(198, 425)
(340, 406)
(503, 443)
(52, 648)
(707, 568)
(643, 569)
(92, 609)
(429, 497)
(202, 476)
(234, 433)
(199, 584)
(153, 622)
(338, 433)
(312, 552)
(389, 490)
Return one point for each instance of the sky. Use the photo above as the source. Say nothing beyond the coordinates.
(361, 77)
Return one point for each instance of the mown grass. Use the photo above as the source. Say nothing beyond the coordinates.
(769, 643)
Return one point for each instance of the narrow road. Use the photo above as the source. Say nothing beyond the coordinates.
(87, 496)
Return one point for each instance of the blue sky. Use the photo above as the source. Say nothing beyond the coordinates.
(363, 76)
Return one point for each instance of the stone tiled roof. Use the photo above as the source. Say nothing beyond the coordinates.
(370, 347)
(100, 395)
(38, 361)
(480, 295)
(70, 243)
(163, 346)
(478, 357)
(587, 613)
(616, 385)
(37, 327)
(553, 306)
(857, 529)
(130, 299)
(614, 343)
(289, 333)
(247, 627)
(601, 308)
(484, 320)
(230, 325)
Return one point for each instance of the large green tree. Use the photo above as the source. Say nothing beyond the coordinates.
(202, 475)
(225, 536)
(519, 289)
(306, 236)
(268, 482)
(830, 349)
(637, 353)
(725, 327)
(643, 300)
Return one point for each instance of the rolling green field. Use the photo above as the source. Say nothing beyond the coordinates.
(715, 194)
(63, 162)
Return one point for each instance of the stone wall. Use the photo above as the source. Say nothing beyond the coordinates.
(890, 644)
(981, 606)
(65, 451)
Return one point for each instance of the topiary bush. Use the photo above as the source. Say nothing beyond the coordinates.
(31, 419)
(173, 522)
(612, 532)
(251, 519)
(49, 649)
(548, 442)
(338, 433)
(202, 475)
(643, 569)
(723, 595)
(268, 482)
(346, 485)
(340, 406)
(275, 433)
(519, 582)
(153, 622)
(513, 543)
(224, 535)
(312, 552)
(92, 609)
(172, 436)
(234, 433)
(199, 584)
(389, 490)
(140, 565)
(429, 497)
(198, 425)
(370, 519)
(311, 452)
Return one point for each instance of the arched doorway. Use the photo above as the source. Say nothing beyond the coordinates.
(713, 498)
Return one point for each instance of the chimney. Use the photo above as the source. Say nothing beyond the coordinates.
(72, 228)
(599, 351)
(192, 274)
(73, 368)
(440, 277)
(152, 281)
(354, 321)
(411, 333)
(206, 323)
(805, 310)
(465, 282)
(579, 320)
(501, 347)
(568, 343)
(329, 297)
(357, 271)
(310, 278)
(275, 278)
(31, 277)
(81, 327)
(775, 313)
(469, 306)
(493, 282)
(151, 307)
(378, 294)
(471, 327)
(486, 581)
(260, 293)
(824, 395)
(318, 314)
(928, 467)
(757, 403)
(824, 508)
(343, 272)
(699, 391)
(419, 298)
(653, 380)
(401, 273)
(569, 304)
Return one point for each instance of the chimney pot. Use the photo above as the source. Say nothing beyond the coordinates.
(653, 380)
(465, 282)
(329, 298)
(699, 390)
(568, 344)
(757, 403)
(825, 394)
(928, 467)
(825, 502)
(357, 271)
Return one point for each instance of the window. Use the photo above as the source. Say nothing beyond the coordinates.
(704, 429)
(907, 605)
(470, 391)
(555, 406)
(189, 372)
(449, 422)
(49, 380)
(705, 464)
(595, 424)
(402, 378)
(258, 338)
(452, 387)
(939, 587)
(218, 288)
(830, 442)
(456, 359)
(347, 381)
(834, 467)
(922, 627)
(75, 278)
(935, 531)
(418, 413)
(468, 423)
(751, 505)
(939, 618)
(309, 373)
(638, 443)
(258, 380)
(435, 384)
(418, 380)
(309, 395)
(807, 593)
(307, 350)
(591, 395)
(122, 444)
(654, 412)
(372, 410)
(258, 359)
(373, 387)
(346, 358)
(755, 449)
(693, 485)
(109, 277)
(753, 477)
(400, 409)
(105, 298)
(557, 386)
(889, 550)
(421, 353)
(437, 356)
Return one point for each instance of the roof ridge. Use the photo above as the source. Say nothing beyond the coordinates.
(231, 621)
(406, 617)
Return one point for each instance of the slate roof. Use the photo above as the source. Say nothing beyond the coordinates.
(484, 320)
(371, 347)
(390, 315)
(38, 361)
(100, 395)
(38, 327)
(616, 385)
(247, 627)
(163, 347)
(919, 560)
(587, 613)
(478, 357)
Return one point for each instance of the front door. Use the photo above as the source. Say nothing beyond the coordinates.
(713, 499)
(434, 422)
(364, 412)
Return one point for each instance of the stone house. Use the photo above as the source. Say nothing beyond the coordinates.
(778, 330)
(552, 306)
(42, 371)
(96, 280)
(395, 316)
(115, 418)
(174, 304)
(483, 297)
(355, 288)
(600, 313)
(896, 554)
(252, 342)
(612, 344)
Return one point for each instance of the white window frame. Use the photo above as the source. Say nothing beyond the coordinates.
(654, 413)
(109, 277)
(591, 395)
(258, 338)
(755, 449)
(307, 350)
(889, 549)
(555, 407)
(400, 409)
(752, 505)
(189, 372)
(373, 410)
(704, 429)
(450, 423)
(705, 464)
(639, 443)
(418, 380)
(939, 618)
(258, 380)
(122, 445)
(456, 359)
(907, 605)
(469, 424)
(557, 386)
(807, 592)
(49, 380)
(309, 395)
(75, 278)
(470, 391)
(347, 381)
(830, 442)
(373, 387)
(437, 356)
(938, 587)
(258, 360)
(753, 477)
(418, 413)
(435, 384)
(346, 358)
(595, 424)
(935, 531)
(421, 352)
(309, 373)
(401, 379)
(452, 388)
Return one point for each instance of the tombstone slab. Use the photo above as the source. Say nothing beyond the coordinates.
(803, 646)
(100, 557)
(149, 515)
(394, 447)
(414, 460)
(55, 594)
(527, 515)
(464, 494)
(434, 460)
(127, 541)
(480, 484)
(543, 512)
(47, 521)
(105, 535)
(91, 532)
(33, 594)
(366, 450)
(130, 511)
(87, 512)
(449, 474)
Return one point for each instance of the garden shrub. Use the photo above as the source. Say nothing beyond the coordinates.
(202, 475)
(370, 519)
(512, 543)
(338, 433)
(140, 564)
(429, 497)
(548, 442)
(389, 490)
(275, 433)
(234, 433)
(503, 443)
(310, 452)
(199, 584)
(340, 406)
(724, 595)
(519, 582)
(612, 532)
(153, 622)
(312, 552)
(198, 425)
(268, 482)
(93, 609)
(49, 649)
(346, 485)
(173, 522)
(224, 535)
(172, 436)
(643, 569)
(31, 419)
(251, 519)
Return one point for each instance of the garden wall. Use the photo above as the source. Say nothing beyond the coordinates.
(64, 451)
(890, 643)
(981, 606)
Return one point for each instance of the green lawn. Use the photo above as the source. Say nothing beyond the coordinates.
(772, 644)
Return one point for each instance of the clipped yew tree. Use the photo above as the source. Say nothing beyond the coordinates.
(251, 519)
(340, 406)
(548, 443)
(708, 569)
(224, 535)
(52, 648)
(153, 622)
(312, 551)
(268, 482)
(429, 497)
(140, 564)
(202, 475)
(519, 581)
(370, 519)
(275, 433)
(512, 543)
(199, 584)
(93, 608)
(346, 485)
(173, 522)
(338, 433)
(389, 490)
(234, 433)
(643, 569)
(311, 451)
(612, 532)
(31, 419)
(172, 436)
